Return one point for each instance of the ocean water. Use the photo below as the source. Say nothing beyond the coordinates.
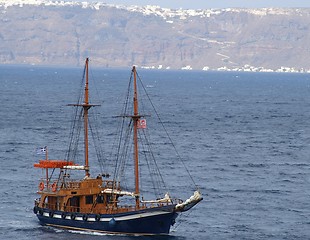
(244, 137)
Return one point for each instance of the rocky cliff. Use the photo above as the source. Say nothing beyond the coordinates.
(54, 33)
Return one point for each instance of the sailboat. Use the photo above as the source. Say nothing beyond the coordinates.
(95, 203)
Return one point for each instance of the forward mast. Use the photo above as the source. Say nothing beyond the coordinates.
(86, 106)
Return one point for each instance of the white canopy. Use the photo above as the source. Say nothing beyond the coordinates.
(75, 167)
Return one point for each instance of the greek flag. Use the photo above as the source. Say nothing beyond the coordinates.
(41, 150)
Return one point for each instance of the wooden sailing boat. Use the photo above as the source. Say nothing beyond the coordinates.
(94, 204)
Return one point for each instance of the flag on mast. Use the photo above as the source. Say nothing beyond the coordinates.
(142, 123)
(41, 150)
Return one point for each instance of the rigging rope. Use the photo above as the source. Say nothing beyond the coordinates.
(155, 173)
(76, 121)
(96, 139)
(71, 152)
(161, 122)
(150, 160)
(121, 157)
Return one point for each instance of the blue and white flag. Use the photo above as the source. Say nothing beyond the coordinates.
(41, 150)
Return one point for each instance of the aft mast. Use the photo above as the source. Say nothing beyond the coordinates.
(86, 106)
(136, 118)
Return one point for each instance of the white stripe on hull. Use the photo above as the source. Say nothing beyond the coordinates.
(107, 219)
(140, 215)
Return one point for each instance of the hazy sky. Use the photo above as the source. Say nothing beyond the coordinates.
(195, 4)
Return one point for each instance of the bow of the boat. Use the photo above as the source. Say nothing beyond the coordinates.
(189, 203)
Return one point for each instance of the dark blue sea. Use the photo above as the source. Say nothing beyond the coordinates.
(244, 137)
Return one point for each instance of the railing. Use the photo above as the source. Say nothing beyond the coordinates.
(54, 185)
(110, 184)
(102, 209)
(72, 184)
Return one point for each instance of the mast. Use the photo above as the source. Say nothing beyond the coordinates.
(136, 118)
(86, 106)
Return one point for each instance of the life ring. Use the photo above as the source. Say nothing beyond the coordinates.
(72, 216)
(41, 186)
(54, 187)
(51, 214)
(85, 217)
(63, 215)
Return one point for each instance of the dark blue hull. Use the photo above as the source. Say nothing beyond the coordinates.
(148, 221)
